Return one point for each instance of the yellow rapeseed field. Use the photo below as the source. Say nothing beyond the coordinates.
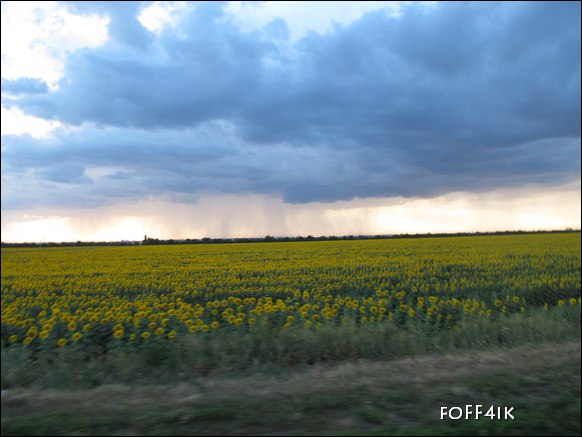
(112, 296)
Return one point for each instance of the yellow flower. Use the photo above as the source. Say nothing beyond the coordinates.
(145, 335)
(76, 336)
(172, 334)
(61, 342)
(159, 331)
(118, 334)
(13, 338)
(193, 328)
(214, 325)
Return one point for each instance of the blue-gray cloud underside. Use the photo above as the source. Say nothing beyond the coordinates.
(24, 85)
(460, 97)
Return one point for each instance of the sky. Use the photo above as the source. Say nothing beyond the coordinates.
(246, 119)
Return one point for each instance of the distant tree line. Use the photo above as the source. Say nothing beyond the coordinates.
(270, 239)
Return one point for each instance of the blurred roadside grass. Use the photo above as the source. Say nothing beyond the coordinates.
(357, 397)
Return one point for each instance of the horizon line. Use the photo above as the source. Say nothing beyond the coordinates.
(269, 238)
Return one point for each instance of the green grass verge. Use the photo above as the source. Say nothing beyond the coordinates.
(359, 397)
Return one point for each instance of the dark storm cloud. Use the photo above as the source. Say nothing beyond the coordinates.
(458, 97)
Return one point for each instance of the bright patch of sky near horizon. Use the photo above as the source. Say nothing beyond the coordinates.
(177, 120)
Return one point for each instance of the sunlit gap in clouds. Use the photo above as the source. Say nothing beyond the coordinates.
(232, 216)
(70, 228)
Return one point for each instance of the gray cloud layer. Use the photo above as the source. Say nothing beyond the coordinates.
(460, 97)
